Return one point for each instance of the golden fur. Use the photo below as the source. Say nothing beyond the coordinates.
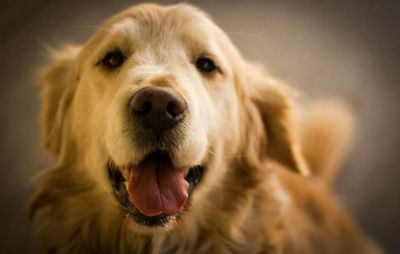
(260, 194)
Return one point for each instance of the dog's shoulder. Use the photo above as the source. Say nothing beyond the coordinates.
(313, 219)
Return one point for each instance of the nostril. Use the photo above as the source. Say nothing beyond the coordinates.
(176, 108)
(143, 108)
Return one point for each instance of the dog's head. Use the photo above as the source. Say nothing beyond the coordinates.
(157, 104)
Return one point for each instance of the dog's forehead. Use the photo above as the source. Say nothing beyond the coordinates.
(153, 22)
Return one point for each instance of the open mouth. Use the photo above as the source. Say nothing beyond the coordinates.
(153, 192)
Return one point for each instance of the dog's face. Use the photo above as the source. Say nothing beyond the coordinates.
(156, 104)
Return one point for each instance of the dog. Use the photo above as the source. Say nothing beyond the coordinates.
(168, 141)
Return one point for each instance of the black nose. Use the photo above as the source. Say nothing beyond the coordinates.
(157, 108)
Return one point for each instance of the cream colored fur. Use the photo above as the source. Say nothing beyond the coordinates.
(259, 194)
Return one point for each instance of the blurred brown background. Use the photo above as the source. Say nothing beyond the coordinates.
(346, 49)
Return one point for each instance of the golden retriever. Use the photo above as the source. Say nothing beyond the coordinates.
(168, 141)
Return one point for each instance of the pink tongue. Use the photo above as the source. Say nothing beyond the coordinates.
(156, 187)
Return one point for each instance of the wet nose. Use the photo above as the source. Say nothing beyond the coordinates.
(157, 108)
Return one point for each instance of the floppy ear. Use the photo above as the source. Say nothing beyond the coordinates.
(273, 102)
(59, 80)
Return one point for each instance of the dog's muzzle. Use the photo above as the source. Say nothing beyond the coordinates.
(154, 190)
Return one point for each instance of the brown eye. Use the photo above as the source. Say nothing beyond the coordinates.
(205, 65)
(113, 59)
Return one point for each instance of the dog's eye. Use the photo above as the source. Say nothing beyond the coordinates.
(113, 59)
(205, 65)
